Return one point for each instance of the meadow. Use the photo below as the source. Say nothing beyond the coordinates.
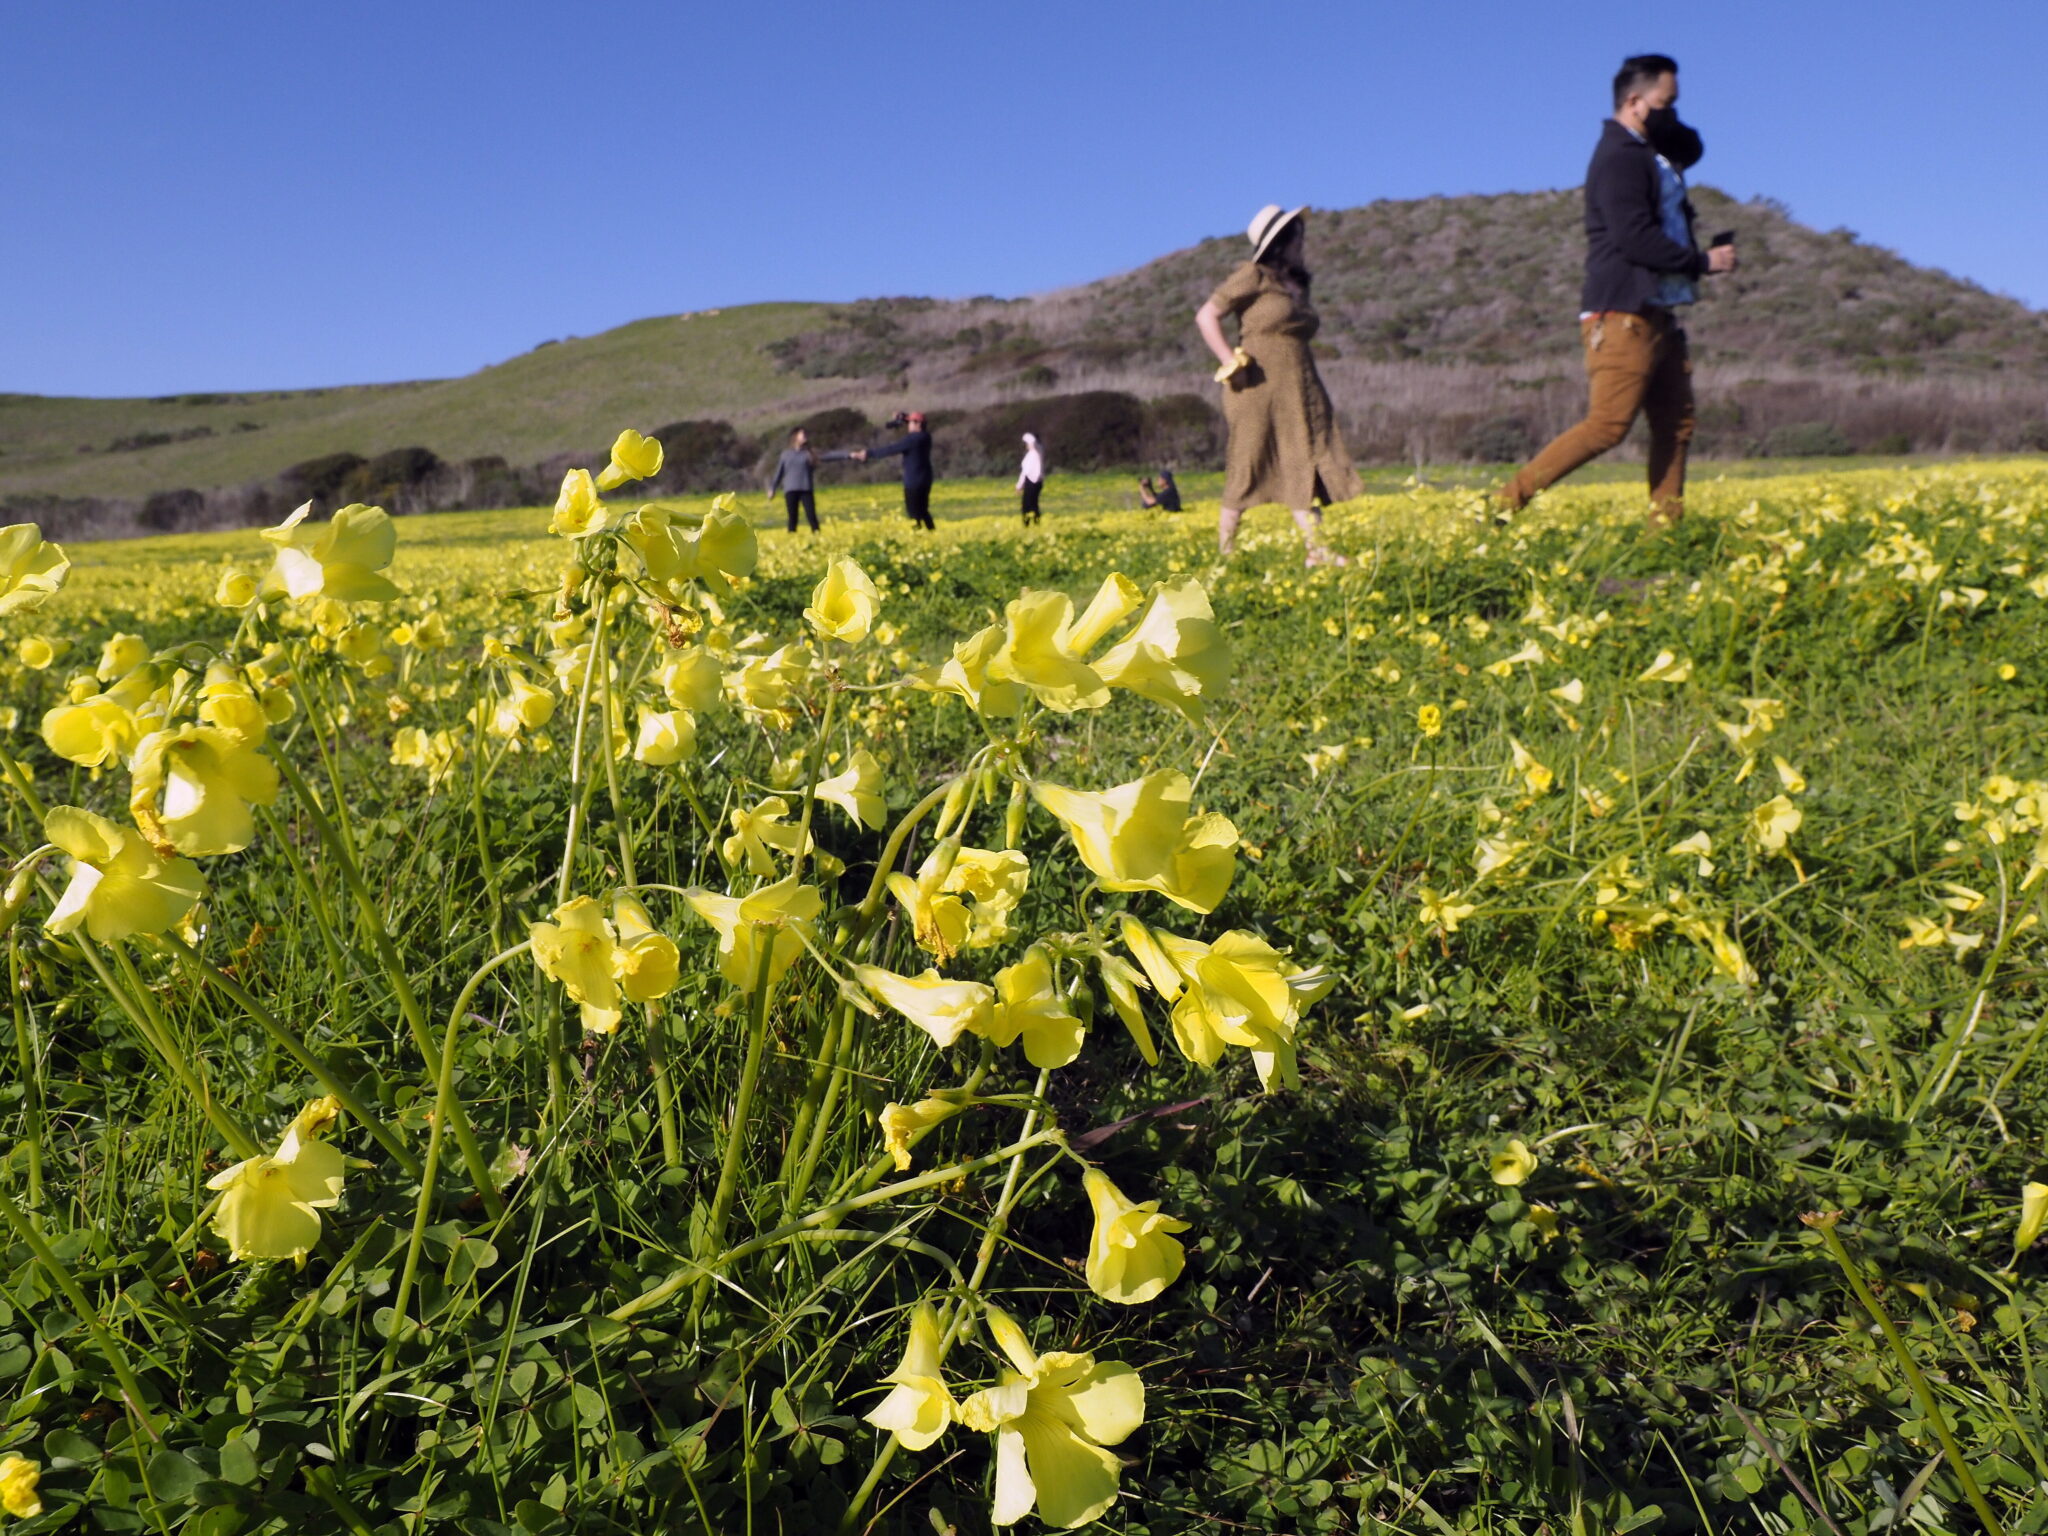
(617, 1018)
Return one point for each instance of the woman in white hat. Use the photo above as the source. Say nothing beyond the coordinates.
(1284, 442)
(1031, 478)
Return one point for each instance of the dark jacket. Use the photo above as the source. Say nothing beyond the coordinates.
(1627, 250)
(916, 448)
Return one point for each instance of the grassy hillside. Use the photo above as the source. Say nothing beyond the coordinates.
(1447, 334)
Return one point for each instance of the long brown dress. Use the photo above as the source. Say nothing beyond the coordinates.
(1284, 442)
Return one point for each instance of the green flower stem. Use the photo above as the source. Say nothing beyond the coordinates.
(324, 921)
(131, 1389)
(477, 743)
(657, 1032)
(806, 1126)
(579, 800)
(1825, 1225)
(871, 904)
(823, 1216)
(31, 1075)
(735, 1134)
(19, 780)
(1936, 1085)
(358, 1107)
(444, 1100)
(394, 972)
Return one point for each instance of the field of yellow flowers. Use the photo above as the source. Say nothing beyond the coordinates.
(618, 1018)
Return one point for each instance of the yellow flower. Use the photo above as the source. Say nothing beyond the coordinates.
(2007, 672)
(338, 559)
(19, 1478)
(196, 784)
(943, 1009)
(525, 707)
(759, 829)
(1241, 991)
(1573, 693)
(775, 914)
(1793, 780)
(1669, 667)
(1760, 718)
(577, 948)
(1492, 853)
(692, 681)
(646, 961)
(270, 1205)
(1543, 1219)
(768, 686)
(237, 589)
(966, 673)
(1445, 912)
(1512, 1166)
(633, 458)
(919, 1409)
(678, 547)
(1132, 1255)
(1051, 1416)
(101, 729)
(1028, 1007)
(1534, 774)
(2033, 1214)
(30, 569)
(666, 736)
(1139, 837)
(1038, 652)
(1430, 721)
(858, 791)
(434, 754)
(844, 603)
(1772, 824)
(1531, 653)
(120, 886)
(1176, 656)
(35, 652)
(1698, 846)
(578, 511)
(901, 1122)
(120, 655)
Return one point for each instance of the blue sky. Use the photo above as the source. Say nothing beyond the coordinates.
(231, 196)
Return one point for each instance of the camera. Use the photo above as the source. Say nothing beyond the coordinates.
(900, 419)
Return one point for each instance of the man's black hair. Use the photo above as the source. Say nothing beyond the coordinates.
(1638, 71)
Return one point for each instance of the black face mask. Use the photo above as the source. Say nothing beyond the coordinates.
(1672, 139)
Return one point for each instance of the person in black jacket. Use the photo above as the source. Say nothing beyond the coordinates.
(915, 446)
(1642, 267)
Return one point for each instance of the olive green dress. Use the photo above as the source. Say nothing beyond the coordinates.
(1284, 442)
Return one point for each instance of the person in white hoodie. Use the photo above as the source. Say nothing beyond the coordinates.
(1031, 478)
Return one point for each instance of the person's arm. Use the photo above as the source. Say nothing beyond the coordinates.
(776, 484)
(901, 445)
(1209, 321)
(1615, 186)
(836, 456)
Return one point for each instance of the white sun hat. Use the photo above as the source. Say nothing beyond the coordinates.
(1267, 223)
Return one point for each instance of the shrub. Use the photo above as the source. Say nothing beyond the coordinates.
(1807, 440)
(706, 455)
(167, 510)
(319, 479)
(1498, 440)
(1096, 429)
(1182, 432)
(1892, 442)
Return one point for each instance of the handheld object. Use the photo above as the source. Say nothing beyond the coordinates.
(1725, 237)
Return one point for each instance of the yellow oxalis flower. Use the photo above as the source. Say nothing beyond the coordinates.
(901, 1122)
(19, 1479)
(577, 947)
(101, 729)
(633, 458)
(844, 603)
(1177, 655)
(667, 736)
(120, 886)
(1132, 1255)
(2033, 1215)
(270, 1205)
(1139, 837)
(966, 673)
(120, 655)
(578, 511)
(943, 1009)
(1669, 667)
(31, 569)
(1512, 1166)
(1537, 777)
(196, 784)
(692, 681)
(767, 686)
(434, 753)
(647, 961)
(1038, 652)
(1793, 780)
(525, 707)
(1445, 912)
(758, 830)
(1052, 1415)
(858, 791)
(1241, 991)
(773, 915)
(1772, 824)
(340, 558)
(1699, 846)
(680, 547)
(1429, 720)
(951, 876)
(919, 1409)
(36, 652)
(1028, 1007)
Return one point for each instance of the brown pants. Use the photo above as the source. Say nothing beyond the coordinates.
(1633, 363)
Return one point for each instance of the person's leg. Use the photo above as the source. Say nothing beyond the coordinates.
(1310, 521)
(917, 501)
(1668, 408)
(1621, 351)
(1227, 519)
(811, 508)
(790, 501)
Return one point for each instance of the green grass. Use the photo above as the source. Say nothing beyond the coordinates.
(1371, 1333)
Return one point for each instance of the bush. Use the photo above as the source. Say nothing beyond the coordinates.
(1182, 432)
(1096, 429)
(2033, 437)
(1807, 440)
(319, 479)
(1892, 442)
(383, 480)
(167, 510)
(829, 428)
(706, 455)
(1499, 440)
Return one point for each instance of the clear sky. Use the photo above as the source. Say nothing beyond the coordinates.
(242, 196)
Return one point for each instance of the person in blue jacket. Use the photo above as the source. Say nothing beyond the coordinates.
(915, 449)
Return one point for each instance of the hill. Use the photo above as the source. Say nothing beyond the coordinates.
(1446, 333)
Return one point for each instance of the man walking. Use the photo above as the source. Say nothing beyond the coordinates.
(915, 447)
(1642, 268)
